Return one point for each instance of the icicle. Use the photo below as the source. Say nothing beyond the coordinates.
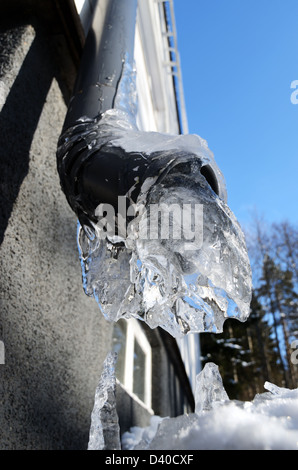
(209, 388)
(104, 430)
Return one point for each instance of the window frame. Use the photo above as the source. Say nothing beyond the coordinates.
(134, 332)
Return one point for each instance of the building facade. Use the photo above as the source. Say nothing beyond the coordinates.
(53, 337)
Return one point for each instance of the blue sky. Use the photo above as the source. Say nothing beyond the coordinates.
(239, 58)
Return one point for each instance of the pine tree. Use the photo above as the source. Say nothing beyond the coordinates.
(274, 256)
(276, 292)
(263, 346)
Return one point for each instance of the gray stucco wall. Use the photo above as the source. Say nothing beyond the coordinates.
(54, 336)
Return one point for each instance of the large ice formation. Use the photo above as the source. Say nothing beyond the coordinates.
(190, 280)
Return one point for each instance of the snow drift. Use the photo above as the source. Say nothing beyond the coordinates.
(269, 422)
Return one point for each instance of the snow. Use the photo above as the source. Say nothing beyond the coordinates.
(268, 422)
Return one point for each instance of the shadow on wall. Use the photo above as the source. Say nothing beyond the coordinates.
(40, 390)
(18, 121)
(42, 421)
(21, 111)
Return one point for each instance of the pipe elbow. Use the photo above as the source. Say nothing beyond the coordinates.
(99, 160)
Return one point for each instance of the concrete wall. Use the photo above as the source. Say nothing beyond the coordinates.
(54, 337)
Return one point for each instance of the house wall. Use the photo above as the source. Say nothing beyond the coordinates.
(54, 337)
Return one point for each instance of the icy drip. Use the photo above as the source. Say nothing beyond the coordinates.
(126, 98)
(104, 430)
(166, 282)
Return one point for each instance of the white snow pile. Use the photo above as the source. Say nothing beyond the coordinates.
(268, 422)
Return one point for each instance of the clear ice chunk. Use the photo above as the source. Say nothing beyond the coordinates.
(104, 430)
(209, 390)
(195, 276)
(281, 391)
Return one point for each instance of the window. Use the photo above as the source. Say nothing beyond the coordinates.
(134, 364)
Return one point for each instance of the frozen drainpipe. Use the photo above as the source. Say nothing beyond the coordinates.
(103, 157)
(88, 175)
(91, 169)
(109, 45)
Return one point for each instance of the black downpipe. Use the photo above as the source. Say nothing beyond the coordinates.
(90, 176)
(92, 170)
(109, 43)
